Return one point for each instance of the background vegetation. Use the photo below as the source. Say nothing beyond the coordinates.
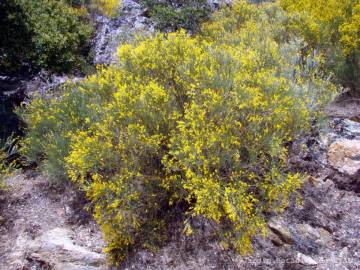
(50, 34)
(193, 124)
(47, 34)
(170, 15)
(333, 28)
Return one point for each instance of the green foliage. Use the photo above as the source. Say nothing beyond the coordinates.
(47, 33)
(201, 121)
(170, 15)
(333, 26)
(14, 36)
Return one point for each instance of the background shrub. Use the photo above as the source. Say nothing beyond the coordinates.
(199, 121)
(45, 33)
(332, 27)
(14, 35)
(170, 15)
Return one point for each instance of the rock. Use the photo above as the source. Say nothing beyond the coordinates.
(56, 248)
(344, 156)
(352, 127)
(279, 229)
(305, 260)
(111, 33)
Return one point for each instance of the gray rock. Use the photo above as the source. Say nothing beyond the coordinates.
(45, 83)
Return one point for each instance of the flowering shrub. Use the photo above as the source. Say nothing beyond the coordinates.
(200, 121)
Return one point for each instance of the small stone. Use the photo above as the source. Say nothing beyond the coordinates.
(305, 260)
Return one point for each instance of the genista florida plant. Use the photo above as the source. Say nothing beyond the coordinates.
(201, 121)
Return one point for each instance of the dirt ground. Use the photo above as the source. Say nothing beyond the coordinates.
(31, 206)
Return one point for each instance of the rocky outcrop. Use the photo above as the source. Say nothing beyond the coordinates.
(344, 150)
(110, 33)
